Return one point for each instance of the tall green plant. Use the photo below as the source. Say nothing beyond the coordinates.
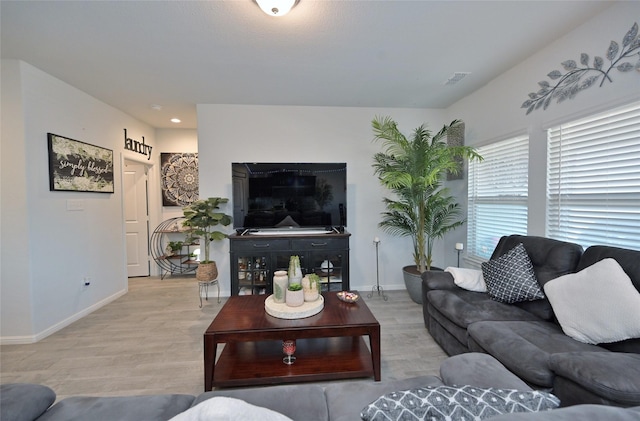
(201, 216)
(413, 169)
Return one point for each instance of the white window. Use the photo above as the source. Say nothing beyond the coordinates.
(593, 181)
(497, 195)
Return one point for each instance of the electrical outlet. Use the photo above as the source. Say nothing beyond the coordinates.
(86, 281)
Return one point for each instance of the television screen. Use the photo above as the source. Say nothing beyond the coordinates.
(289, 195)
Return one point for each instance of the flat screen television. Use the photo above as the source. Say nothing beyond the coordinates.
(269, 195)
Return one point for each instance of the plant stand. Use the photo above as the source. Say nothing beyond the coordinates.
(203, 286)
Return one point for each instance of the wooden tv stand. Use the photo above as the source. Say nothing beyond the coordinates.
(254, 259)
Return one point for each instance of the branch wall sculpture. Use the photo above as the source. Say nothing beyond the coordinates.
(580, 77)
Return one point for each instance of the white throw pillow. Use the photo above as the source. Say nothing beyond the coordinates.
(597, 305)
(221, 408)
(470, 279)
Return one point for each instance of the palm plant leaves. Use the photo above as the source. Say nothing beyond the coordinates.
(413, 170)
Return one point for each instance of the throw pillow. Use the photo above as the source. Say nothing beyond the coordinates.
(597, 305)
(510, 278)
(222, 408)
(469, 279)
(456, 403)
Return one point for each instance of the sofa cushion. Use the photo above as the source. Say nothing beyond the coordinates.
(466, 307)
(300, 401)
(580, 412)
(510, 278)
(125, 408)
(462, 402)
(480, 370)
(613, 376)
(550, 258)
(24, 401)
(628, 259)
(525, 347)
(346, 399)
(598, 304)
(222, 408)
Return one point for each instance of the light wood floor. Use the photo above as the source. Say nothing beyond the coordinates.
(150, 341)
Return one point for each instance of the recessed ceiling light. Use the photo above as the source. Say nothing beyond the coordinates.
(176, 120)
(156, 107)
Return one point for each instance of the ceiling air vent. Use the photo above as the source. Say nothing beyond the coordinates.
(455, 78)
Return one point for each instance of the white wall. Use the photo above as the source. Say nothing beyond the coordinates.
(235, 133)
(47, 250)
(494, 113)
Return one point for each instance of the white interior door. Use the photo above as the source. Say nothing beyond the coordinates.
(136, 219)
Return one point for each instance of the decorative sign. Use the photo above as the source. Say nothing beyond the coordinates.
(135, 146)
(79, 166)
(179, 178)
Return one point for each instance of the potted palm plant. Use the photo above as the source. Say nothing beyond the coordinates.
(200, 218)
(414, 169)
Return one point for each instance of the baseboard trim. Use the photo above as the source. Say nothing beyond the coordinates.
(21, 340)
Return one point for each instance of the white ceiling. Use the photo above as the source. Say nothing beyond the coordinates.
(133, 54)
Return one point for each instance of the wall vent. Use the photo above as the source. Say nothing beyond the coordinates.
(456, 77)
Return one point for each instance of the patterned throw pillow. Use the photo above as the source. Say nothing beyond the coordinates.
(435, 403)
(510, 277)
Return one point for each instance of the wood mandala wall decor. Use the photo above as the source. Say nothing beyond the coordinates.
(179, 178)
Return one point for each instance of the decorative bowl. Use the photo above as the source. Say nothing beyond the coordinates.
(348, 297)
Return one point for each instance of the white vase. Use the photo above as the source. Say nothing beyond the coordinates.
(280, 284)
(295, 272)
(295, 298)
(310, 289)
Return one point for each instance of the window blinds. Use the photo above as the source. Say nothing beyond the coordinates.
(497, 195)
(593, 180)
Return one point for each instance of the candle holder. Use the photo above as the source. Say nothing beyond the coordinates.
(459, 248)
(289, 348)
(377, 286)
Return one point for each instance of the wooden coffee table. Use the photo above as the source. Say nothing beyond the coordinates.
(330, 345)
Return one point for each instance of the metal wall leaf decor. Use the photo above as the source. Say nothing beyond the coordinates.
(578, 77)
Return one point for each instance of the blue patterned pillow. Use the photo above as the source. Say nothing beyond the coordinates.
(435, 403)
(510, 278)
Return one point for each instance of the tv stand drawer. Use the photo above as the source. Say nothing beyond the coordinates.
(256, 245)
(320, 244)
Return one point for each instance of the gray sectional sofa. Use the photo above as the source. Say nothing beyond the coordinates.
(340, 401)
(528, 338)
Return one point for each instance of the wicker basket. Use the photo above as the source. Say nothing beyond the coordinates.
(207, 272)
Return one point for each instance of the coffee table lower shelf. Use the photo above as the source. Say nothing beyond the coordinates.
(317, 359)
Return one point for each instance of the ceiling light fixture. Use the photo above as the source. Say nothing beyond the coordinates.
(176, 120)
(276, 7)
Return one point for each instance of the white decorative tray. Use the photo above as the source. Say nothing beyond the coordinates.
(283, 311)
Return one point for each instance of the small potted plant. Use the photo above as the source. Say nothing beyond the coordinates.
(173, 247)
(295, 295)
(200, 218)
(311, 287)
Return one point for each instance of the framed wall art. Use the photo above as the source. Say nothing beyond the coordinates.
(79, 166)
(179, 177)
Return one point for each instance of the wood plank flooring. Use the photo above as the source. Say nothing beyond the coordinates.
(150, 341)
